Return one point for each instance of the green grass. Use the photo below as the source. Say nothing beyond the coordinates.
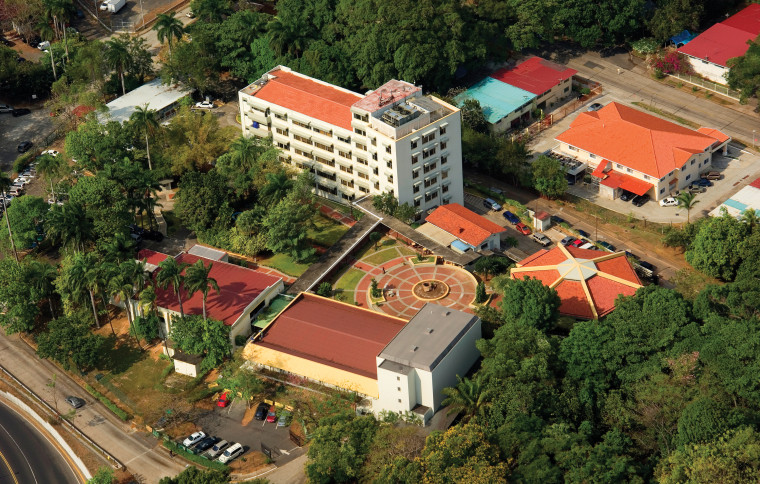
(381, 256)
(108, 403)
(141, 377)
(349, 280)
(285, 263)
(327, 231)
(277, 305)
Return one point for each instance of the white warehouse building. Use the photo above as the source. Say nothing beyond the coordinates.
(393, 139)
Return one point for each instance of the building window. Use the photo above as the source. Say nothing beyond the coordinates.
(591, 155)
(442, 130)
(692, 161)
(323, 147)
(360, 132)
(417, 202)
(662, 190)
(416, 188)
(629, 170)
(377, 186)
(344, 154)
(444, 174)
(362, 175)
(618, 165)
(445, 189)
(362, 161)
(399, 400)
(646, 177)
(572, 148)
(415, 159)
(415, 174)
(283, 117)
(414, 142)
(347, 169)
(321, 131)
(281, 131)
(374, 171)
(301, 124)
(362, 147)
(341, 138)
(428, 138)
(687, 177)
(361, 117)
(430, 167)
(428, 153)
(373, 141)
(444, 144)
(398, 388)
(444, 159)
(302, 139)
(390, 178)
(389, 164)
(431, 181)
(398, 378)
(567, 89)
(388, 149)
(345, 183)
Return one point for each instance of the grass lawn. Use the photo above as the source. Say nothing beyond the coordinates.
(285, 263)
(382, 256)
(327, 231)
(349, 280)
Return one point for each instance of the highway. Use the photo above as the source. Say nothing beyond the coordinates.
(26, 456)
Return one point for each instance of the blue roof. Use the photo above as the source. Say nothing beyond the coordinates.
(461, 246)
(682, 38)
(497, 98)
(734, 204)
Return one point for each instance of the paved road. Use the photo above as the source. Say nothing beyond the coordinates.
(23, 450)
(141, 454)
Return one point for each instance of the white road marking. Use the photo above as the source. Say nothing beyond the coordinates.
(22, 453)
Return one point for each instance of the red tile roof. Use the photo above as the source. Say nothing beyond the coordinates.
(755, 184)
(574, 301)
(307, 96)
(599, 170)
(726, 39)
(332, 333)
(238, 288)
(463, 224)
(614, 179)
(534, 75)
(635, 139)
(714, 133)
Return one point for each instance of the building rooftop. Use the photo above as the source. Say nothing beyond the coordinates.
(463, 224)
(726, 39)
(156, 95)
(388, 93)
(535, 75)
(587, 281)
(635, 139)
(238, 288)
(497, 99)
(207, 252)
(427, 338)
(748, 198)
(302, 94)
(331, 333)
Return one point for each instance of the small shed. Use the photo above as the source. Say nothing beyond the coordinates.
(184, 363)
(541, 221)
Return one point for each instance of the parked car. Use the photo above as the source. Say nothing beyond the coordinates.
(558, 220)
(25, 146)
(491, 204)
(204, 445)
(194, 438)
(668, 202)
(703, 182)
(272, 414)
(541, 239)
(6, 108)
(224, 400)
(52, 153)
(217, 449)
(75, 402)
(640, 200)
(647, 265)
(595, 107)
(626, 196)
(284, 419)
(204, 105)
(522, 228)
(588, 246)
(606, 245)
(43, 45)
(232, 451)
(567, 240)
(583, 233)
(20, 112)
(512, 218)
(697, 189)
(577, 243)
(711, 175)
(261, 411)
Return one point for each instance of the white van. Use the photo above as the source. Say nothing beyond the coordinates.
(588, 245)
(232, 451)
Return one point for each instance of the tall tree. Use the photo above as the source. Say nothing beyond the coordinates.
(118, 58)
(5, 183)
(469, 396)
(197, 279)
(277, 187)
(69, 225)
(687, 200)
(82, 276)
(51, 167)
(41, 277)
(144, 119)
(168, 28)
(171, 274)
(549, 177)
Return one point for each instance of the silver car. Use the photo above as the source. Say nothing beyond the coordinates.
(217, 449)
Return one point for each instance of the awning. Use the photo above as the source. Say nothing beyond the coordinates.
(634, 185)
(599, 171)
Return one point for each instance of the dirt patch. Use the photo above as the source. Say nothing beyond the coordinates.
(250, 462)
(182, 430)
(248, 416)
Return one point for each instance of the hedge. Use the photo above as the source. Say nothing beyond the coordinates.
(108, 403)
(197, 459)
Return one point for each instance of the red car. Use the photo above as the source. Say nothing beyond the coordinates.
(577, 243)
(523, 228)
(272, 415)
(224, 400)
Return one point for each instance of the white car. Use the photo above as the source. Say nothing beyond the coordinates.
(6, 108)
(43, 46)
(204, 105)
(21, 181)
(194, 439)
(231, 452)
(668, 202)
(52, 153)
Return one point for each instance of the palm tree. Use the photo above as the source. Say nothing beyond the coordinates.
(148, 304)
(197, 279)
(118, 248)
(469, 397)
(5, 183)
(169, 28)
(750, 217)
(278, 185)
(41, 276)
(145, 120)
(69, 225)
(60, 11)
(47, 33)
(245, 151)
(171, 275)
(106, 272)
(82, 276)
(117, 57)
(123, 287)
(50, 166)
(687, 200)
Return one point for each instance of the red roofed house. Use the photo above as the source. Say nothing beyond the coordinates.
(393, 139)
(587, 281)
(242, 292)
(708, 53)
(634, 151)
(462, 229)
(549, 81)
(398, 366)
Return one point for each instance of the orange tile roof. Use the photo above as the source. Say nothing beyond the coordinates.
(714, 133)
(635, 139)
(463, 224)
(307, 96)
(574, 302)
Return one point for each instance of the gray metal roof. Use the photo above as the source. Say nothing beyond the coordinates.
(207, 252)
(428, 337)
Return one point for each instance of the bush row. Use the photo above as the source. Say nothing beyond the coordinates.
(197, 459)
(108, 403)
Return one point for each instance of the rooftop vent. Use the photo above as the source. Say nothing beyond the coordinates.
(414, 348)
(430, 331)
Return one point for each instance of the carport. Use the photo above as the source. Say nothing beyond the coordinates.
(436, 233)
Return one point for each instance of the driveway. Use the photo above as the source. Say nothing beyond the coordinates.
(32, 127)
(225, 423)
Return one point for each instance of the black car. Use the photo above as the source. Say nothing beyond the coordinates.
(595, 107)
(261, 411)
(25, 146)
(20, 112)
(204, 445)
(647, 265)
(607, 245)
(626, 196)
(558, 220)
(640, 200)
(75, 402)
(583, 233)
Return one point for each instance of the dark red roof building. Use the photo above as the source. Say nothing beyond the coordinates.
(535, 75)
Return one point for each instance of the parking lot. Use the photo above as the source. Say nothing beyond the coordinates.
(32, 127)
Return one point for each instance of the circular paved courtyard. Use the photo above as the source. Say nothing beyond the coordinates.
(399, 275)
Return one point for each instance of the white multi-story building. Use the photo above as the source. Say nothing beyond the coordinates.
(393, 139)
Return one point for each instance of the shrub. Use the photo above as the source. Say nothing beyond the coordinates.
(647, 45)
(197, 459)
(23, 161)
(240, 340)
(375, 291)
(325, 289)
(108, 403)
(480, 293)
(670, 63)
